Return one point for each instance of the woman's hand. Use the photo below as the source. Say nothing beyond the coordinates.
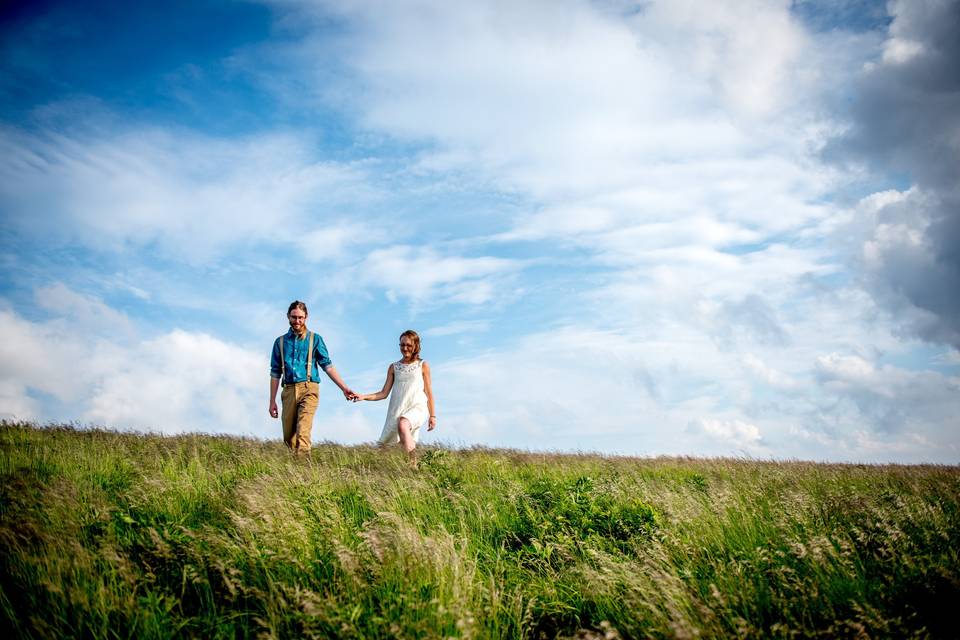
(432, 424)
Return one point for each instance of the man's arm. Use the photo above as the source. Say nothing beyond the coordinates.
(274, 384)
(331, 372)
(323, 361)
(276, 369)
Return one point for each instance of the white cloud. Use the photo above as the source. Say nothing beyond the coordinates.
(901, 50)
(48, 357)
(455, 328)
(899, 259)
(176, 381)
(846, 373)
(768, 374)
(728, 294)
(424, 276)
(565, 99)
(862, 445)
(335, 241)
(191, 195)
(749, 49)
(84, 314)
(911, 29)
(673, 390)
(660, 140)
(892, 399)
(581, 388)
(736, 434)
(15, 404)
(182, 381)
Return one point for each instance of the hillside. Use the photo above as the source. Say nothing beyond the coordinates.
(106, 535)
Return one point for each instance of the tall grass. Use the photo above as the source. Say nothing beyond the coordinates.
(110, 535)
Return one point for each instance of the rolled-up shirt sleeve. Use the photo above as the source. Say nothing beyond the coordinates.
(320, 355)
(275, 368)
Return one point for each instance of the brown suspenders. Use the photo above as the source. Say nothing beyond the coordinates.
(310, 358)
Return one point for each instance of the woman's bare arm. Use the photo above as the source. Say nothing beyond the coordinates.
(383, 393)
(428, 389)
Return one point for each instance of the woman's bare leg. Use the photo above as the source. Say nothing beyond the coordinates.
(406, 439)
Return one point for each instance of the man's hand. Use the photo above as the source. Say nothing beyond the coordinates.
(348, 394)
(273, 409)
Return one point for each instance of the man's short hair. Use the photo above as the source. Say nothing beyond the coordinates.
(296, 304)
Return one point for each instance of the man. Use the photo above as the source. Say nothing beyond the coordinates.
(296, 357)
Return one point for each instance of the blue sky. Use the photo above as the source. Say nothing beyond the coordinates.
(628, 227)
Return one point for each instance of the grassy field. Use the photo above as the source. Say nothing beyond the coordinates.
(109, 535)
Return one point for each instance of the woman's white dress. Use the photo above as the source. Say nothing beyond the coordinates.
(407, 400)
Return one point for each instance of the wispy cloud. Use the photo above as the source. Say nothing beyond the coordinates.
(737, 434)
(425, 276)
(192, 196)
(564, 103)
(889, 398)
(456, 328)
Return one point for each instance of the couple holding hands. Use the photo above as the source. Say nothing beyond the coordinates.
(299, 353)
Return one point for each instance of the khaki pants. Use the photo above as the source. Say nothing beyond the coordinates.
(299, 405)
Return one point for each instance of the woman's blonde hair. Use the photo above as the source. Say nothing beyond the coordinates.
(413, 335)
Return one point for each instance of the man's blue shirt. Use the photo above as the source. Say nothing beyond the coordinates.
(295, 357)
